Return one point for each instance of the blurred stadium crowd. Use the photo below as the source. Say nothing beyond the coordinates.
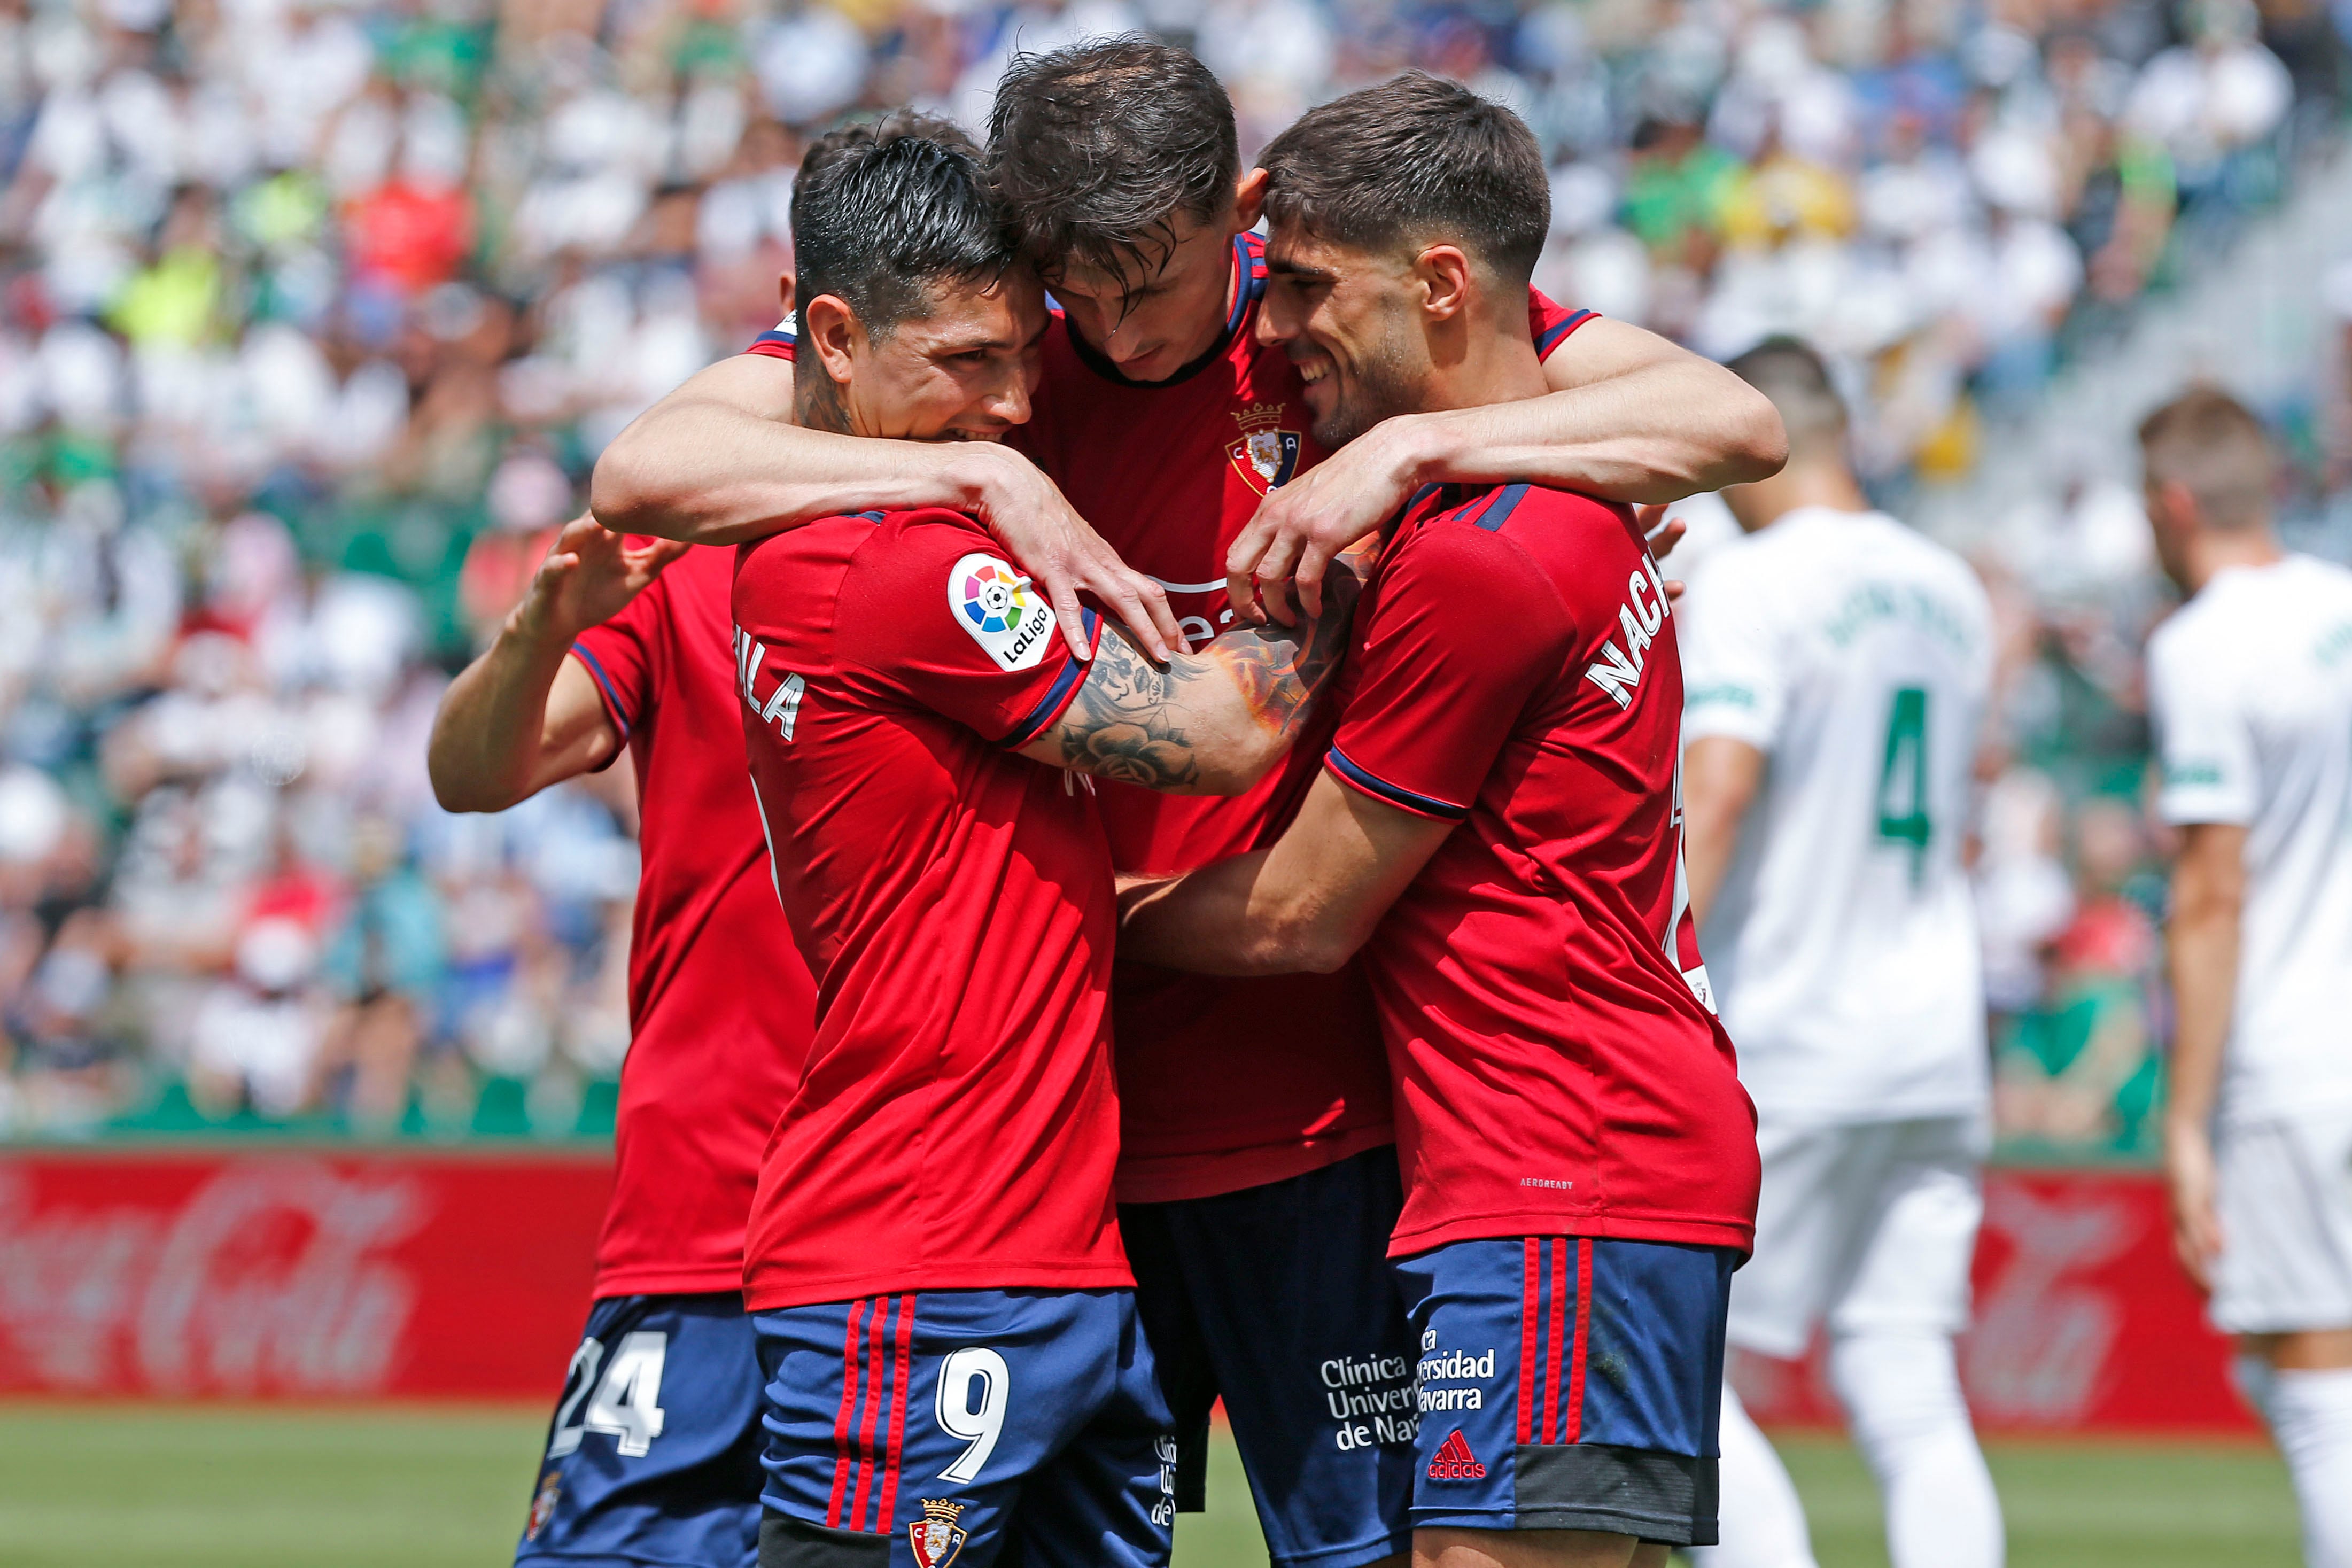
(314, 317)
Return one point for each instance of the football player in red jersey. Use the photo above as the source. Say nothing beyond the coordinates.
(1497, 817)
(654, 1453)
(933, 1262)
(1257, 1216)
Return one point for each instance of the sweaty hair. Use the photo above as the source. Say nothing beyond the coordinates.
(1096, 150)
(1413, 160)
(2212, 444)
(883, 212)
(1794, 377)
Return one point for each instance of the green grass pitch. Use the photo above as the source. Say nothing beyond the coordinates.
(212, 1487)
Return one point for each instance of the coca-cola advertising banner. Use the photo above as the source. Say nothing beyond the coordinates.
(258, 1276)
(261, 1276)
(2082, 1324)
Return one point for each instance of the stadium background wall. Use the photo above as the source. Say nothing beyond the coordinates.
(280, 1275)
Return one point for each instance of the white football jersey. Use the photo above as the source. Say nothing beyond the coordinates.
(2249, 685)
(1858, 656)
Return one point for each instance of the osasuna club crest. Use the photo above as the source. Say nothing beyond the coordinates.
(1267, 455)
(936, 1537)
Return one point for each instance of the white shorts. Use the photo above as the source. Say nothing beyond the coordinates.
(1870, 1224)
(2285, 1194)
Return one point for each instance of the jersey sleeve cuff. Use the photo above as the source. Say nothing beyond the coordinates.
(1560, 331)
(1058, 696)
(1728, 710)
(773, 345)
(604, 692)
(1348, 772)
(2196, 805)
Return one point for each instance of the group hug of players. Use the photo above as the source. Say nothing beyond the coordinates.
(1285, 987)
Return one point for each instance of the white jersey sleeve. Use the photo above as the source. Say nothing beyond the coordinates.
(1735, 664)
(2205, 742)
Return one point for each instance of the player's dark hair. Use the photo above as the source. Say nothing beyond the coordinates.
(1413, 160)
(1097, 149)
(885, 210)
(1797, 380)
(2211, 443)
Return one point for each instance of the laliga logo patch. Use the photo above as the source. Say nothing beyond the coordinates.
(995, 605)
(1267, 455)
(936, 1537)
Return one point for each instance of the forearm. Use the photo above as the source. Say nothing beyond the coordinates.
(1215, 920)
(711, 472)
(2203, 939)
(489, 746)
(1651, 435)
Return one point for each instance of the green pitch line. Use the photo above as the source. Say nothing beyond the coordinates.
(180, 1487)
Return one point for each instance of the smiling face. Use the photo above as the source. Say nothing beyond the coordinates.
(1164, 308)
(963, 371)
(1347, 319)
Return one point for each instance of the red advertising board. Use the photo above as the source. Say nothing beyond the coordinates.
(339, 1276)
(249, 1274)
(2084, 1322)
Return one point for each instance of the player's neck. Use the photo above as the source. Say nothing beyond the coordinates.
(2216, 551)
(1828, 485)
(1483, 368)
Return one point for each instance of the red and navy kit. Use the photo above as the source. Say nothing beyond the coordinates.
(1558, 1069)
(655, 1447)
(719, 1003)
(956, 1124)
(1170, 472)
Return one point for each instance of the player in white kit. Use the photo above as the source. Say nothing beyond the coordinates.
(2250, 685)
(1836, 665)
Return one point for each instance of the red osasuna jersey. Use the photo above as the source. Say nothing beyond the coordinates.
(1170, 472)
(1558, 1067)
(720, 1001)
(956, 1125)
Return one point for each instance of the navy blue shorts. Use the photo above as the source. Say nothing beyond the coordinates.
(654, 1455)
(1279, 1298)
(1570, 1383)
(959, 1425)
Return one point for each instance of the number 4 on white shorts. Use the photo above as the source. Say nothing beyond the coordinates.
(627, 1402)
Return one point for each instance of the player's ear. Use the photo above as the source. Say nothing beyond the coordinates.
(1249, 197)
(784, 292)
(1444, 274)
(829, 326)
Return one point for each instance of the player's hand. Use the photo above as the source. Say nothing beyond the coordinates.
(1300, 527)
(1663, 536)
(589, 575)
(2188, 1182)
(1062, 552)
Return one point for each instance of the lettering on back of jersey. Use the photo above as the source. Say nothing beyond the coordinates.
(781, 706)
(999, 610)
(1617, 670)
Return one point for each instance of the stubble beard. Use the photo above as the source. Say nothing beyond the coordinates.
(1383, 385)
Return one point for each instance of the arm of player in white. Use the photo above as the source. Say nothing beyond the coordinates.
(525, 715)
(1307, 904)
(1211, 722)
(720, 461)
(2208, 890)
(1720, 778)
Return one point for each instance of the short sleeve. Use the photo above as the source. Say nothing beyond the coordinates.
(934, 610)
(779, 342)
(623, 656)
(1552, 324)
(2204, 746)
(1735, 662)
(1462, 630)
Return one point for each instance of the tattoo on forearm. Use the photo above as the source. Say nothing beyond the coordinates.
(816, 402)
(1123, 722)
